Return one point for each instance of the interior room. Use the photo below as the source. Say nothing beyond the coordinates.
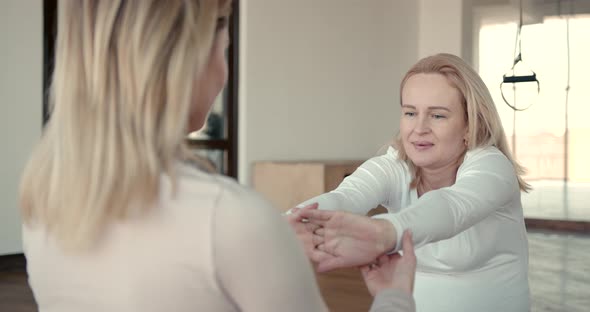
(313, 91)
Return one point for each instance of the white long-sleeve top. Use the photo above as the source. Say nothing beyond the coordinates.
(211, 246)
(470, 237)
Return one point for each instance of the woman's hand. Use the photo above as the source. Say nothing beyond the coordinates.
(393, 271)
(303, 229)
(343, 239)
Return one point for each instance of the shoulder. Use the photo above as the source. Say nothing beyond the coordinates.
(484, 151)
(392, 154)
(224, 190)
(486, 155)
(488, 159)
(241, 199)
(236, 212)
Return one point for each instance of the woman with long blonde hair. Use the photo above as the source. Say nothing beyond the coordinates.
(117, 215)
(451, 179)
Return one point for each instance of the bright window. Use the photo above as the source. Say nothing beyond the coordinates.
(557, 160)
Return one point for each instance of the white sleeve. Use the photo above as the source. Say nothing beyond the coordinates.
(259, 263)
(373, 183)
(485, 183)
(393, 300)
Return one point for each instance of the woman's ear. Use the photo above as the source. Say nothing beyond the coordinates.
(466, 137)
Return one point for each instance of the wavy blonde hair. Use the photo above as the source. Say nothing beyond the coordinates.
(484, 124)
(120, 98)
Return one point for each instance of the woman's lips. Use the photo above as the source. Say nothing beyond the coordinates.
(422, 145)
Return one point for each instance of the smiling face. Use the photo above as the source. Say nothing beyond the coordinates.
(433, 124)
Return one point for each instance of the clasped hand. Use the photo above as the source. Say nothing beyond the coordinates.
(336, 239)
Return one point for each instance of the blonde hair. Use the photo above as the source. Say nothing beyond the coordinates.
(121, 95)
(484, 124)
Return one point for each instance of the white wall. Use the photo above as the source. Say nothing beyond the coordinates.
(445, 26)
(320, 79)
(21, 59)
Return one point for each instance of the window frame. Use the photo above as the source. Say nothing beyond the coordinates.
(228, 145)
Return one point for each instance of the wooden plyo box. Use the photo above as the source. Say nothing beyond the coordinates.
(287, 184)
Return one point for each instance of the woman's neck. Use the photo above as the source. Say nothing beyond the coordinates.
(434, 179)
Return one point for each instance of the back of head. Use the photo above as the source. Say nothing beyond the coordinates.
(484, 123)
(120, 96)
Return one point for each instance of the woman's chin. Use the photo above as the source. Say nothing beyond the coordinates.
(195, 123)
(421, 161)
(192, 129)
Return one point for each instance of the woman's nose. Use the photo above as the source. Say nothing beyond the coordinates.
(422, 125)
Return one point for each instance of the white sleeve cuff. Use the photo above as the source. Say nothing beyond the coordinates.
(399, 229)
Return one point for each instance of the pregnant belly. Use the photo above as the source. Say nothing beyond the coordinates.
(483, 291)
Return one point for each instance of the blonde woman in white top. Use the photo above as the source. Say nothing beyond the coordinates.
(117, 216)
(452, 181)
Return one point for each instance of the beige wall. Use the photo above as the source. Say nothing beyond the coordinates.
(445, 26)
(20, 105)
(319, 79)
